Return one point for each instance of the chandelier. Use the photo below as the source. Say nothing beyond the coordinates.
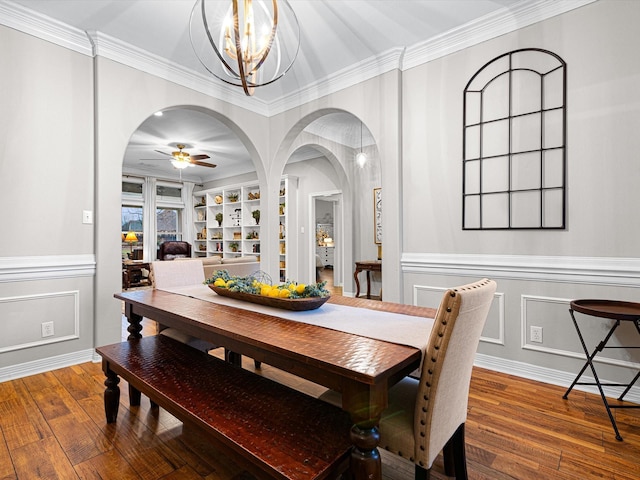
(245, 43)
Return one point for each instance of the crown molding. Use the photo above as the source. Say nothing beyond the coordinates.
(501, 22)
(46, 28)
(506, 20)
(144, 61)
(347, 77)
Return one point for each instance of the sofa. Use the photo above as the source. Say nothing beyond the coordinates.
(238, 266)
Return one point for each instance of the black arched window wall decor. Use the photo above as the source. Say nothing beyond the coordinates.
(514, 143)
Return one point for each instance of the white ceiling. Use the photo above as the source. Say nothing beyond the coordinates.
(335, 35)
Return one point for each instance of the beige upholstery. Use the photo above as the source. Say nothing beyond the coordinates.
(178, 274)
(427, 415)
(238, 266)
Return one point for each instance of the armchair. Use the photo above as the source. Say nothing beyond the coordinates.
(174, 249)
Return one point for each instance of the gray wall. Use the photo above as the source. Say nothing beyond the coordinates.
(47, 117)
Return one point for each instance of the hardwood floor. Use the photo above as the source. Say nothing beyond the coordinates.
(52, 426)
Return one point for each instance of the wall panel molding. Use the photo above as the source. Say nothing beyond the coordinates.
(603, 271)
(499, 340)
(16, 269)
(52, 297)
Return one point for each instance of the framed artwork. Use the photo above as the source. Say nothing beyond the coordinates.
(377, 215)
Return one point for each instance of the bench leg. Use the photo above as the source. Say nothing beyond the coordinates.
(111, 396)
(134, 396)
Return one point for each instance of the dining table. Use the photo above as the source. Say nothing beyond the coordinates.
(357, 347)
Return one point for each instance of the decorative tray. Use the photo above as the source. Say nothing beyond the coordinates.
(297, 304)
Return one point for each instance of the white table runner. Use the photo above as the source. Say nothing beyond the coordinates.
(397, 328)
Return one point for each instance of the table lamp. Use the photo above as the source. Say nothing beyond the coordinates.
(131, 239)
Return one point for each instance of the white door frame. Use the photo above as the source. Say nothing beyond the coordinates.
(334, 196)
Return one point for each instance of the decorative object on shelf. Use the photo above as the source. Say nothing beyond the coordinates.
(258, 288)
(237, 213)
(377, 216)
(202, 217)
(233, 197)
(218, 199)
(245, 46)
(282, 209)
(216, 236)
(282, 232)
(256, 216)
(282, 192)
(253, 235)
(328, 242)
(202, 247)
(202, 202)
(233, 246)
(253, 195)
(237, 235)
(219, 218)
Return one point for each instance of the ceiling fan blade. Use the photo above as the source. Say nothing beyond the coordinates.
(199, 157)
(202, 164)
(163, 153)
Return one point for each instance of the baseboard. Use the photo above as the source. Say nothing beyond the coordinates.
(46, 364)
(551, 376)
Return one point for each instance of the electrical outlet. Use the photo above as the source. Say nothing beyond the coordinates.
(47, 329)
(536, 334)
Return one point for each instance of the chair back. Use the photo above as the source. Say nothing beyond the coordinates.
(179, 273)
(441, 405)
(174, 249)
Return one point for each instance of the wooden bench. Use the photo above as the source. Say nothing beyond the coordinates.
(275, 431)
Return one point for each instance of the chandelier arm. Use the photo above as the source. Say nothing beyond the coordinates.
(240, 58)
(212, 43)
(272, 37)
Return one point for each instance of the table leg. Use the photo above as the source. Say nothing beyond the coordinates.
(368, 284)
(355, 277)
(135, 322)
(589, 363)
(365, 408)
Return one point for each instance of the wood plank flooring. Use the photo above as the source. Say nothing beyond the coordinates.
(52, 426)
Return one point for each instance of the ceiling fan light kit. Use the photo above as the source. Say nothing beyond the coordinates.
(245, 43)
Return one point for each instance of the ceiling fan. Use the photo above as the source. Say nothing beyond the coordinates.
(181, 159)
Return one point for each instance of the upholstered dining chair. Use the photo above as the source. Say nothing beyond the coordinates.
(426, 416)
(179, 274)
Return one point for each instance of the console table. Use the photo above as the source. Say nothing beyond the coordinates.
(367, 266)
(132, 274)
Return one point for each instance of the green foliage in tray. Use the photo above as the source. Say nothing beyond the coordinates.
(259, 283)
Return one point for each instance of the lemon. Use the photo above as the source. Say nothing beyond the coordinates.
(219, 283)
(274, 292)
(292, 287)
(265, 290)
(300, 288)
(284, 293)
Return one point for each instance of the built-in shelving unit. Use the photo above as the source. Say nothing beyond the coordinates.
(227, 222)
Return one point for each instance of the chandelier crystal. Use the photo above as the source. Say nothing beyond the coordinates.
(245, 43)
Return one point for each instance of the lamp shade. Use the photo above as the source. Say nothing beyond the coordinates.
(131, 237)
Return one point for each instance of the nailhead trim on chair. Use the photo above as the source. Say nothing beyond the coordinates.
(441, 335)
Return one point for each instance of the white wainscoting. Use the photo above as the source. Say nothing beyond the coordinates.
(15, 269)
(24, 308)
(579, 271)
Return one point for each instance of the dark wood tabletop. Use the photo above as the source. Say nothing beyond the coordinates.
(361, 368)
